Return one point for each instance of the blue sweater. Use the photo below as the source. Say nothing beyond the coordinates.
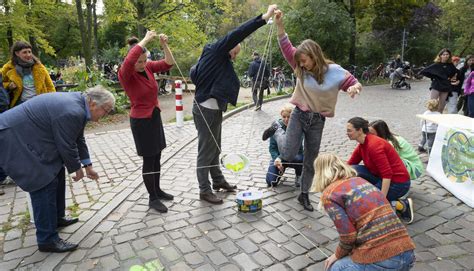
(214, 74)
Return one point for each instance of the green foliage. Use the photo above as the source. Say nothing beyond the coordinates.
(318, 20)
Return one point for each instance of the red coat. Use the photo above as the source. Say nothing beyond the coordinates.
(142, 92)
(381, 159)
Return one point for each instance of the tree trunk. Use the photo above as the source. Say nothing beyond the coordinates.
(31, 38)
(86, 47)
(352, 48)
(140, 5)
(96, 42)
(6, 5)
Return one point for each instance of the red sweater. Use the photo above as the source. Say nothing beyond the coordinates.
(142, 92)
(381, 159)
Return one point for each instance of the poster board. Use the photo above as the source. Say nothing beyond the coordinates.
(451, 161)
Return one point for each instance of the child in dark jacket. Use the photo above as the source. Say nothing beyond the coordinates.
(277, 166)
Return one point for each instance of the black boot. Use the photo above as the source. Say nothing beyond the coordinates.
(303, 198)
(158, 206)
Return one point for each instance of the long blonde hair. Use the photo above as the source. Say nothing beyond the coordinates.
(329, 168)
(315, 53)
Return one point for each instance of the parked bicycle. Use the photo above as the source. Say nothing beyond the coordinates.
(245, 80)
(279, 82)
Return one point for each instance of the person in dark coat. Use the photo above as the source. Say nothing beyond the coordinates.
(44, 135)
(259, 72)
(443, 77)
(216, 86)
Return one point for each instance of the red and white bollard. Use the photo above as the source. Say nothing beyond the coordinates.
(179, 104)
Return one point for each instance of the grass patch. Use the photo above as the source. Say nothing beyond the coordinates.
(186, 118)
(7, 226)
(74, 209)
(25, 221)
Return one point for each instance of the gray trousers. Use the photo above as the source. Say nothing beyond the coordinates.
(208, 149)
(307, 124)
(427, 138)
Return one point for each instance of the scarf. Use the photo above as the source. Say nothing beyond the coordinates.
(24, 67)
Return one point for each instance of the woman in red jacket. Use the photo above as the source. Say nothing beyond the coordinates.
(136, 75)
(382, 167)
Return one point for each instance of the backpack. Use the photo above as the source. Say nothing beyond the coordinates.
(4, 97)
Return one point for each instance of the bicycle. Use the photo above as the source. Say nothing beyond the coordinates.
(245, 81)
(279, 82)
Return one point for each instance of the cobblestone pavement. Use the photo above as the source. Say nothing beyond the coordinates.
(118, 231)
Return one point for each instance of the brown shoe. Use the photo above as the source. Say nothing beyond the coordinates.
(225, 185)
(211, 198)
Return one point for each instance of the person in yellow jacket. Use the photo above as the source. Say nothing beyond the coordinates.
(24, 76)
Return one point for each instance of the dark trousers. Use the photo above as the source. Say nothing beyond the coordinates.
(208, 148)
(273, 173)
(48, 205)
(427, 138)
(3, 176)
(470, 105)
(395, 191)
(257, 92)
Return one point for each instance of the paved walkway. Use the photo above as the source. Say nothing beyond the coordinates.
(118, 231)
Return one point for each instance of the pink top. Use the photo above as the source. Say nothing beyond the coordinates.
(469, 87)
(311, 96)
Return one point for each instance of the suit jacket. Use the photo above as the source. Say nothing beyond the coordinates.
(40, 136)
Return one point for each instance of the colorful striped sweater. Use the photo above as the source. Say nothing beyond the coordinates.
(369, 230)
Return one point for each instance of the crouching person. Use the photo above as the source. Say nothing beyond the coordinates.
(371, 237)
(43, 136)
(277, 166)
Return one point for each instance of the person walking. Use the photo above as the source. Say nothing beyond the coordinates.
(259, 72)
(217, 85)
(136, 75)
(443, 76)
(371, 237)
(45, 135)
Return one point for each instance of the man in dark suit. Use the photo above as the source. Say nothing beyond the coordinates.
(38, 139)
(216, 85)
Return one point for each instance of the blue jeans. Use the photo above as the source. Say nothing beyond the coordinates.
(402, 262)
(273, 171)
(395, 191)
(307, 124)
(49, 205)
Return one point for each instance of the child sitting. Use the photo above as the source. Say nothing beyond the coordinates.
(277, 166)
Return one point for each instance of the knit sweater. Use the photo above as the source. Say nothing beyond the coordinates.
(142, 91)
(381, 159)
(368, 228)
(410, 158)
(311, 96)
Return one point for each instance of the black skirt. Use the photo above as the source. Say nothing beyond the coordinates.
(148, 134)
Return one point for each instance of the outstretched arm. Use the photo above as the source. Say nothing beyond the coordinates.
(287, 49)
(234, 37)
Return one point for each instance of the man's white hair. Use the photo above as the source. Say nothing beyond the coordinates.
(100, 95)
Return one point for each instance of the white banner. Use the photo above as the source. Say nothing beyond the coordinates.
(451, 161)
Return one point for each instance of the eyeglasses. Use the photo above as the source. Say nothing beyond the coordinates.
(107, 110)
